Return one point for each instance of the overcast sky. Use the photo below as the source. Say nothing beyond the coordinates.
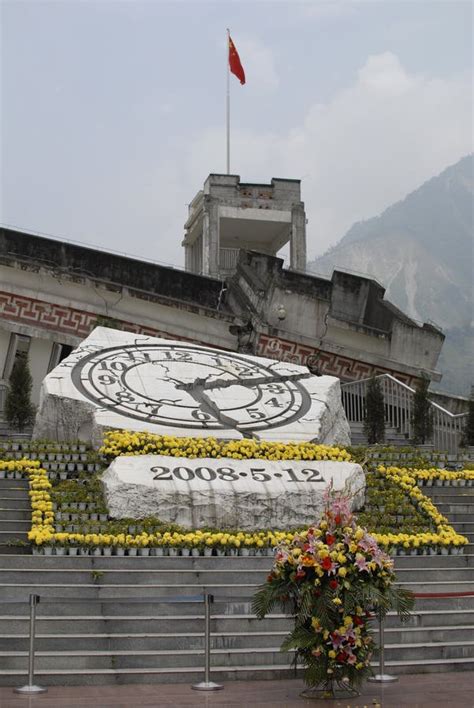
(114, 111)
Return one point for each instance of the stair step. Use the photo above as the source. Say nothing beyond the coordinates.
(254, 639)
(12, 513)
(21, 524)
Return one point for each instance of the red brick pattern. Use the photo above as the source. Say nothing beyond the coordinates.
(333, 364)
(66, 320)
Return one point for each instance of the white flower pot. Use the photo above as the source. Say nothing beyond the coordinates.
(244, 552)
(107, 550)
(195, 552)
(232, 551)
(173, 552)
(143, 551)
(60, 551)
(444, 551)
(132, 551)
(185, 551)
(72, 551)
(220, 551)
(119, 551)
(48, 550)
(208, 552)
(97, 551)
(84, 551)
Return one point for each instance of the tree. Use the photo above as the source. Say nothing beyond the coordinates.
(422, 418)
(468, 432)
(19, 411)
(374, 421)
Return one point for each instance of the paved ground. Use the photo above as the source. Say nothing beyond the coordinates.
(450, 690)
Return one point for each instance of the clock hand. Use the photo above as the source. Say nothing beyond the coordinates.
(208, 406)
(252, 381)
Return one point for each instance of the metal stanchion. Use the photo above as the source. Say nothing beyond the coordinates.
(382, 677)
(31, 687)
(207, 684)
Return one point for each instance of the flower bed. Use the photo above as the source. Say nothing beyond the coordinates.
(119, 442)
(72, 514)
(441, 537)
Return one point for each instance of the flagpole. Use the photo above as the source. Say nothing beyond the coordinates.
(228, 104)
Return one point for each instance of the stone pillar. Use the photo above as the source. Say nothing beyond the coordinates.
(188, 256)
(210, 237)
(298, 238)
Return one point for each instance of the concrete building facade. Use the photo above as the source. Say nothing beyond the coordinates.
(228, 215)
(52, 294)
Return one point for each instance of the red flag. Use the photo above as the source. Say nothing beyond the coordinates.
(234, 62)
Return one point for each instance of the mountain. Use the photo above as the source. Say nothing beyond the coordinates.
(421, 250)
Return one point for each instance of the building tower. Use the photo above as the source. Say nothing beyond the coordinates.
(227, 215)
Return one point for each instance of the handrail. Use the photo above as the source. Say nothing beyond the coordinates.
(398, 400)
(346, 384)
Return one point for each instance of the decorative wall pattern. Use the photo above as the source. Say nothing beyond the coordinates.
(328, 363)
(66, 320)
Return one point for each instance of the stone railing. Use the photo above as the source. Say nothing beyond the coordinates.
(398, 398)
(228, 258)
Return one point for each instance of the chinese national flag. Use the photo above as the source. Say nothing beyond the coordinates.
(234, 62)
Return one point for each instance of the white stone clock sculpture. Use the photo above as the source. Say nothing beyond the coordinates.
(117, 379)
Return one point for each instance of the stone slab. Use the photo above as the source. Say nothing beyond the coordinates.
(117, 379)
(226, 493)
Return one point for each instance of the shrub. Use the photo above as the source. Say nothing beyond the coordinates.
(468, 432)
(19, 411)
(374, 422)
(422, 419)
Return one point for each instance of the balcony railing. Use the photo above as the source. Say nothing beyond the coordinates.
(228, 258)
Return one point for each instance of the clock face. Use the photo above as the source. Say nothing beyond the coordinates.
(182, 386)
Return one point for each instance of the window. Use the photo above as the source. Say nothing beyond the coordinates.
(18, 346)
(58, 353)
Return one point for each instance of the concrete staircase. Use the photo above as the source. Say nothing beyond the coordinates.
(393, 437)
(15, 516)
(120, 639)
(100, 619)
